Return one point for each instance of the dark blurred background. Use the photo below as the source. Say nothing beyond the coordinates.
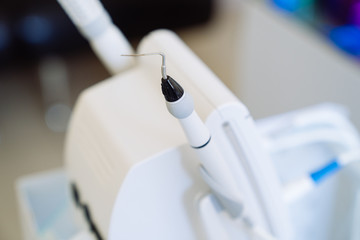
(31, 29)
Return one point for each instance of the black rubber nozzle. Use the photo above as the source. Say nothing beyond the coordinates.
(171, 89)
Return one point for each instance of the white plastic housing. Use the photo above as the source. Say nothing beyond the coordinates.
(199, 139)
(195, 130)
(131, 161)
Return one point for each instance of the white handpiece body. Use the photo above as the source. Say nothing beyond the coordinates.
(199, 139)
(95, 24)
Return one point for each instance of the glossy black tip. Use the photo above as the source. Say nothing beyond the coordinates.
(171, 89)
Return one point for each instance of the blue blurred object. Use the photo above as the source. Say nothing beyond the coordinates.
(288, 5)
(341, 17)
(4, 36)
(328, 170)
(36, 29)
(302, 9)
(347, 38)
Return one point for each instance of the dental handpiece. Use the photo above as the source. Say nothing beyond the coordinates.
(217, 173)
(180, 104)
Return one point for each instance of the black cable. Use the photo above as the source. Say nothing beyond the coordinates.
(86, 212)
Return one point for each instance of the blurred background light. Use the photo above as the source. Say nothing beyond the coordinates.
(4, 36)
(355, 14)
(347, 38)
(337, 20)
(57, 117)
(288, 5)
(36, 29)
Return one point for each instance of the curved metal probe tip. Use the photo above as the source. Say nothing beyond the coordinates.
(163, 66)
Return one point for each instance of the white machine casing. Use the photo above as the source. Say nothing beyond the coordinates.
(134, 169)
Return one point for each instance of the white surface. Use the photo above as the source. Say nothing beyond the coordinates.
(350, 156)
(213, 226)
(158, 199)
(85, 235)
(298, 188)
(283, 65)
(326, 212)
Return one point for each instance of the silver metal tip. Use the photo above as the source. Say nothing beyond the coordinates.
(163, 65)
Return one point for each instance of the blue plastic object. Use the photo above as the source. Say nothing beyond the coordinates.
(347, 38)
(326, 171)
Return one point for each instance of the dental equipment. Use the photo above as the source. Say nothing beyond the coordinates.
(95, 24)
(163, 62)
(214, 169)
(288, 140)
(324, 124)
(305, 184)
(180, 104)
(133, 164)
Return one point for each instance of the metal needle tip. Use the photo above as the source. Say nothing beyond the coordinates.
(163, 66)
